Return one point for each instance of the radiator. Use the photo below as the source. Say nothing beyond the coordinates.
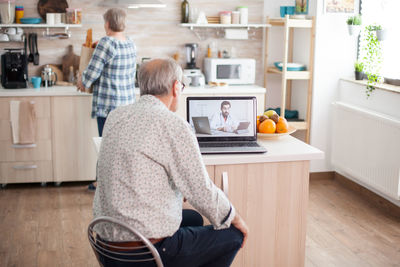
(366, 146)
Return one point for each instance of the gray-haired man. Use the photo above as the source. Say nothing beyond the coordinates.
(149, 161)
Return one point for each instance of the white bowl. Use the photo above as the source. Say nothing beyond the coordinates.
(15, 37)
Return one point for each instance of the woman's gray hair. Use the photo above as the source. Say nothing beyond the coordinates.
(116, 19)
(158, 76)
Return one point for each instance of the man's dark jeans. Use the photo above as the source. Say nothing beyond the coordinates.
(194, 246)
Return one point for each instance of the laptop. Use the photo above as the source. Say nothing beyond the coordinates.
(201, 125)
(224, 125)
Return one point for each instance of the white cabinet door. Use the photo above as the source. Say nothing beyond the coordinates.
(74, 155)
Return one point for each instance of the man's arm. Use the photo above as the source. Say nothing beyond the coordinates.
(215, 122)
(187, 170)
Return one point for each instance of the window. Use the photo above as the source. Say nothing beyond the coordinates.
(386, 14)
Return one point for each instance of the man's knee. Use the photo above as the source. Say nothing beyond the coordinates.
(236, 236)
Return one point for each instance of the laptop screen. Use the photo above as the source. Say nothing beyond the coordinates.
(222, 118)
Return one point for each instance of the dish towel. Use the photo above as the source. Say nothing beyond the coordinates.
(23, 122)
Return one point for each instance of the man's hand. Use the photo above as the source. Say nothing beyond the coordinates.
(239, 223)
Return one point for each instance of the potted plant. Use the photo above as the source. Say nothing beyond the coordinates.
(381, 34)
(358, 69)
(371, 55)
(354, 24)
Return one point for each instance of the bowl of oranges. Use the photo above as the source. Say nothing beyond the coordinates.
(271, 126)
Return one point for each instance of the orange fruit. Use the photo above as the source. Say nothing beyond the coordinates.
(267, 126)
(282, 126)
(258, 123)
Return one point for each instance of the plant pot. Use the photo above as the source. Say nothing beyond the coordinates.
(359, 75)
(354, 29)
(381, 35)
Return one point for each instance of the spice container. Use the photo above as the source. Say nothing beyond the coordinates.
(235, 17)
(19, 13)
(244, 14)
(74, 15)
(225, 17)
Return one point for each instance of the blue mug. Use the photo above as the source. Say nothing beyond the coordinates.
(287, 10)
(290, 10)
(36, 81)
(283, 11)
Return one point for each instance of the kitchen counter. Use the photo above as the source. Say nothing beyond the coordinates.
(71, 90)
(49, 91)
(287, 148)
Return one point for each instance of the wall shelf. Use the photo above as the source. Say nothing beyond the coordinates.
(191, 26)
(202, 31)
(40, 25)
(44, 26)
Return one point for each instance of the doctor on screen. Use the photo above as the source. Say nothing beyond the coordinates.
(222, 120)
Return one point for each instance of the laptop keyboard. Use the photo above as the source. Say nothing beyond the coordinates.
(225, 144)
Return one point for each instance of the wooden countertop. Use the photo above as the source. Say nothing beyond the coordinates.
(287, 148)
(71, 91)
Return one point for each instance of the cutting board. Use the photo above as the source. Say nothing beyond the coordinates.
(51, 6)
(70, 59)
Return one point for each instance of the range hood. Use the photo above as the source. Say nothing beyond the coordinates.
(132, 3)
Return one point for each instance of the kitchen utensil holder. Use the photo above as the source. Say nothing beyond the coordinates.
(65, 35)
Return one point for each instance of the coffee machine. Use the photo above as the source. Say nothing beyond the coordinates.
(14, 69)
(192, 73)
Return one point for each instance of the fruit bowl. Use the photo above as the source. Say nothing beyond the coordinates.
(276, 135)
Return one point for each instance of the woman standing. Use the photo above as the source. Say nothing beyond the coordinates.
(111, 70)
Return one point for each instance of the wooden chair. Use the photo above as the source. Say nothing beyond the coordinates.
(120, 253)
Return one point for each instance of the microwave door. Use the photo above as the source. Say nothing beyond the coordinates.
(230, 73)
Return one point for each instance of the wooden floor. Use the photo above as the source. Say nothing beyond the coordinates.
(47, 227)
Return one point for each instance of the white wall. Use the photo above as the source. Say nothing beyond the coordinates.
(335, 53)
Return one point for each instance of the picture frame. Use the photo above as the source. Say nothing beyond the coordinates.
(340, 6)
(302, 7)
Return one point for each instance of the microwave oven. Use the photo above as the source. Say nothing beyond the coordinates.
(230, 70)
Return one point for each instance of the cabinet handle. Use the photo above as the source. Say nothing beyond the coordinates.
(24, 146)
(225, 183)
(25, 167)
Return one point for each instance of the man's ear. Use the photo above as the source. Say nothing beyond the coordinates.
(175, 89)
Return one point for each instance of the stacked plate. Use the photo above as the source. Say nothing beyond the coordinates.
(291, 66)
(31, 20)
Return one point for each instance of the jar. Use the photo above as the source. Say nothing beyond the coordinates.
(73, 15)
(235, 17)
(19, 13)
(7, 11)
(244, 14)
(225, 17)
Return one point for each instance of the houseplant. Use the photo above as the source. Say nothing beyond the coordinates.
(358, 69)
(381, 34)
(371, 54)
(354, 24)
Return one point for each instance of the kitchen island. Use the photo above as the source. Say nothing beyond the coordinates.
(63, 150)
(270, 191)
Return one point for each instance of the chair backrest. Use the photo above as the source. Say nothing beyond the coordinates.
(121, 253)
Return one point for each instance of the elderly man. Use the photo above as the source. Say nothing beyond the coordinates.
(149, 161)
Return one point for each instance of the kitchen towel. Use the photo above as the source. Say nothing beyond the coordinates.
(23, 122)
